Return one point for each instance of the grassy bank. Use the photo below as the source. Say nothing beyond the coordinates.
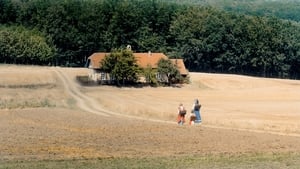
(256, 161)
(31, 103)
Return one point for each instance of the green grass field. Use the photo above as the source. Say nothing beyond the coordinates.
(257, 161)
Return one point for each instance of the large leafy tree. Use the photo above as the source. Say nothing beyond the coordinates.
(199, 33)
(8, 12)
(122, 66)
(213, 40)
(150, 75)
(208, 39)
(20, 45)
(168, 71)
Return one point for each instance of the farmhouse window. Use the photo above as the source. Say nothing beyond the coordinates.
(102, 75)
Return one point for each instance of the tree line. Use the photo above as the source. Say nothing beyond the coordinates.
(283, 9)
(56, 32)
(287, 9)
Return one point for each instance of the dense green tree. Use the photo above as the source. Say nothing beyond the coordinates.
(288, 9)
(211, 40)
(208, 39)
(168, 72)
(7, 11)
(150, 75)
(20, 45)
(284, 9)
(122, 66)
(199, 33)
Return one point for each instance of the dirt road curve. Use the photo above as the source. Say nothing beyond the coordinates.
(84, 102)
(240, 115)
(90, 104)
(87, 103)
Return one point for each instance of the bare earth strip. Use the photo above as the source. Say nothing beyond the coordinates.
(241, 115)
(87, 103)
(131, 103)
(60, 134)
(84, 102)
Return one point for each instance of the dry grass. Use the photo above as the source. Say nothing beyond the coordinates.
(239, 113)
(30, 87)
(257, 161)
(12, 75)
(229, 101)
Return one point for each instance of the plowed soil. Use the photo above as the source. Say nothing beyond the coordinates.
(240, 115)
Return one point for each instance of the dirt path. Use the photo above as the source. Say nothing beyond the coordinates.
(103, 123)
(90, 104)
(83, 102)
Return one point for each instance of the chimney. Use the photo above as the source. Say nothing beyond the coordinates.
(128, 47)
(149, 53)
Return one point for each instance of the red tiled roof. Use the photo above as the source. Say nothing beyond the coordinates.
(143, 60)
(151, 59)
(95, 60)
(180, 65)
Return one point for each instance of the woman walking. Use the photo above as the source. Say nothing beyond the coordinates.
(196, 108)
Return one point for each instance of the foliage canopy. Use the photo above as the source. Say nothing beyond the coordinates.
(244, 40)
(122, 66)
(168, 71)
(20, 45)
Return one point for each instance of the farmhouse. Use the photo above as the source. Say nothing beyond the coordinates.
(143, 60)
(181, 67)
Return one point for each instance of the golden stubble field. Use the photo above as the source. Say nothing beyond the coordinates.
(45, 114)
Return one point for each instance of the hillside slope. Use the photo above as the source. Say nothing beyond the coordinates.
(241, 115)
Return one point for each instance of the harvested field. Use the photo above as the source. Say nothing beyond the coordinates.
(241, 115)
(228, 101)
(62, 134)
